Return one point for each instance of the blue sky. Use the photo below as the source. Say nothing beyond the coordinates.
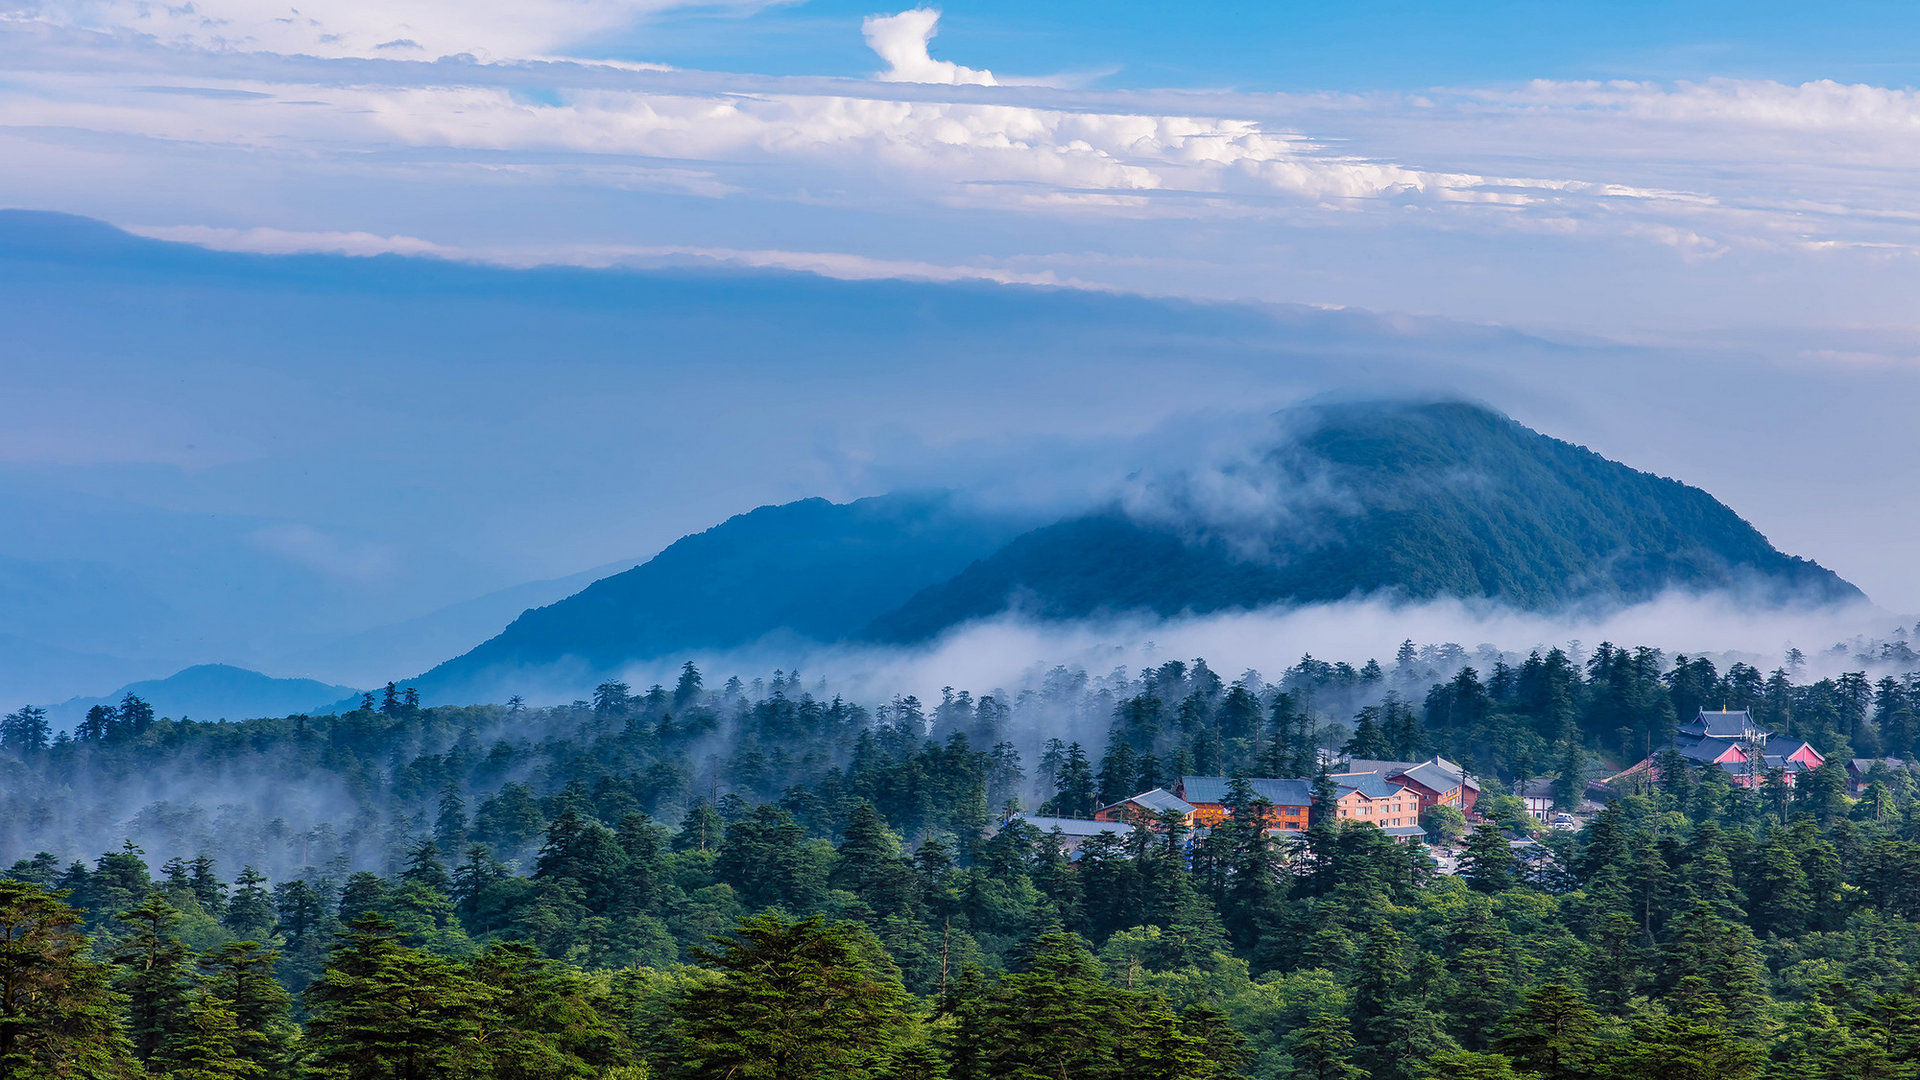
(1294, 45)
(1688, 234)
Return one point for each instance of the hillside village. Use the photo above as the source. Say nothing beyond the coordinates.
(1391, 795)
(1398, 796)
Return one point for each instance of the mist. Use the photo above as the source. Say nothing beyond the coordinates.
(1013, 652)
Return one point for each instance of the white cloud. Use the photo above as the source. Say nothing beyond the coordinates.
(841, 265)
(265, 241)
(342, 28)
(901, 40)
(331, 555)
(1678, 177)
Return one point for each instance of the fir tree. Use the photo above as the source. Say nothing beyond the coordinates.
(59, 1016)
(206, 1046)
(382, 1011)
(153, 975)
(795, 1001)
(239, 977)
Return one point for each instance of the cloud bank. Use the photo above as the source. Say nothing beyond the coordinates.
(1590, 206)
(351, 28)
(1010, 653)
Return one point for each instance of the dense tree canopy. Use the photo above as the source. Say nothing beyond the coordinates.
(758, 880)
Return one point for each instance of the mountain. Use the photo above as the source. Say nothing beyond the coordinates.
(213, 692)
(1405, 500)
(417, 643)
(1411, 500)
(811, 569)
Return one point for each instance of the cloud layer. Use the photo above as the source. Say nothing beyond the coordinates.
(1648, 197)
(348, 28)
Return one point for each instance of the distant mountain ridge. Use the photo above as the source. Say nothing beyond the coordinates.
(213, 692)
(1405, 500)
(812, 569)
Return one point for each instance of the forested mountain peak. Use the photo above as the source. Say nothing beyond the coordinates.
(1410, 500)
(812, 569)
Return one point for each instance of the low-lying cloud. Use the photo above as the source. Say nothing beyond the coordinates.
(1012, 653)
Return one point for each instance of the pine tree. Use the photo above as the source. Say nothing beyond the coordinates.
(1322, 1049)
(59, 1016)
(794, 1001)
(153, 975)
(25, 731)
(450, 825)
(382, 1011)
(1694, 1042)
(545, 1020)
(207, 886)
(1073, 785)
(1489, 864)
(1056, 1017)
(239, 977)
(1554, 1033)
(207, 1046)
(249, 915)
(868, 864)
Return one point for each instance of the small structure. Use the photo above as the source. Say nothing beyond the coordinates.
(1860, 771)
(1072, 832)
(1290, 799)
(1363, 796)
(1146, 809)
(1538, 795)
(1731, 725)
(1373, 798)
(1437, 781)
(1730, 740)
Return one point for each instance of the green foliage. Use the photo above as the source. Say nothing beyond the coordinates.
(796, 1000)
(846, 858)
(383, 1011)
(59, 1017)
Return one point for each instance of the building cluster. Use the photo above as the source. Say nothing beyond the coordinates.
(1394, 794)
(1728, 739)
(1389, 794)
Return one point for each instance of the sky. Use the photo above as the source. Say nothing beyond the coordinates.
(408, 341)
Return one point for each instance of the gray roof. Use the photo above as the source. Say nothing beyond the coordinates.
(1862, 764)
(1705, 748)
(1433, 776)
(1436, 773)
(1213, 789)
(1377, 765)
(1372, 785)
(1722, 724)
(1787, 747)
(1075, 826)
(1534, 789)
(1159, 799)
(1405, 830)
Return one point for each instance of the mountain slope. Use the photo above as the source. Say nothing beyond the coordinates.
(1418, 501)
(213, 692)
(813, 568)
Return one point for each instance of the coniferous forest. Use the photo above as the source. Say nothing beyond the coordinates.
(763, 879)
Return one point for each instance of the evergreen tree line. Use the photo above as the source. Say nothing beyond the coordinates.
(827, 842)
(1690, 931)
